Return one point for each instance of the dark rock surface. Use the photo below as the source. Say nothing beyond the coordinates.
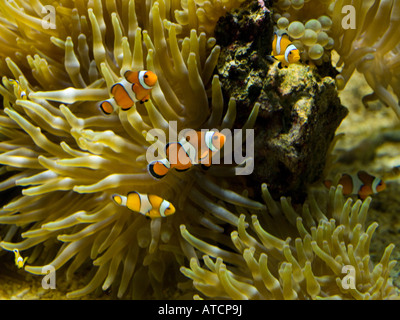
(300, 110)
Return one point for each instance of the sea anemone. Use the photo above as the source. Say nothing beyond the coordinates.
(62, 160)
(309, 24)
(68, 158)
(330, 236)
(372, 48)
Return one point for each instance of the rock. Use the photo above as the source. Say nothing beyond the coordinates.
(300, 110)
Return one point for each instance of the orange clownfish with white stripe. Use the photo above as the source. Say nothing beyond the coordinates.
(197, 147)
(284, 50)
(361, 184)
(148, 205)
(136, 86)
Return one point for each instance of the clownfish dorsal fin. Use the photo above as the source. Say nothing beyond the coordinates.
(130, 75)
(365, 177)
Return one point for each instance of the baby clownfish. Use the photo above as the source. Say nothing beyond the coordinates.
(284, 51)
(197, 147)
(148, 205)
(19, 261)
(361, 184)
(21, 94)
(137, 85)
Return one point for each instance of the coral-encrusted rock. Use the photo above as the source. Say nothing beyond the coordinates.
(299, 112)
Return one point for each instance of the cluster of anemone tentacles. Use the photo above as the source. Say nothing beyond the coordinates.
(371, 48)
(68, 158)
(295, 254)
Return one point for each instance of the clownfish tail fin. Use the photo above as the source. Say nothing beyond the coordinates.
(159, 169)
(107, 106)
(117, 199)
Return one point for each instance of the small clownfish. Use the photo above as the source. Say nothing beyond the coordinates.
(19, 261)
(284, 50)
(148, 205)
(361, 184)
(137, 85)
(197, 147)
(21, 94)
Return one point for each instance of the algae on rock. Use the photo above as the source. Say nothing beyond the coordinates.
(299, 109)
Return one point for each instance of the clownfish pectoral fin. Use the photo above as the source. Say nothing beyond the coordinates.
(205, 166)
(364, 192)
(145, 99)
(158, 169)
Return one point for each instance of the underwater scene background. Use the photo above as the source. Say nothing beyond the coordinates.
(305, 206)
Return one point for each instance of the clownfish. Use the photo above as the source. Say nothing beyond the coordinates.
(19, 261)
(137, 85)
(148, 205)
(21, 94)
(361, 184)
(197, 147)
(284, 50)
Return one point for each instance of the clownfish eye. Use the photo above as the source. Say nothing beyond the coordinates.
(146, 76)
(215, 137)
